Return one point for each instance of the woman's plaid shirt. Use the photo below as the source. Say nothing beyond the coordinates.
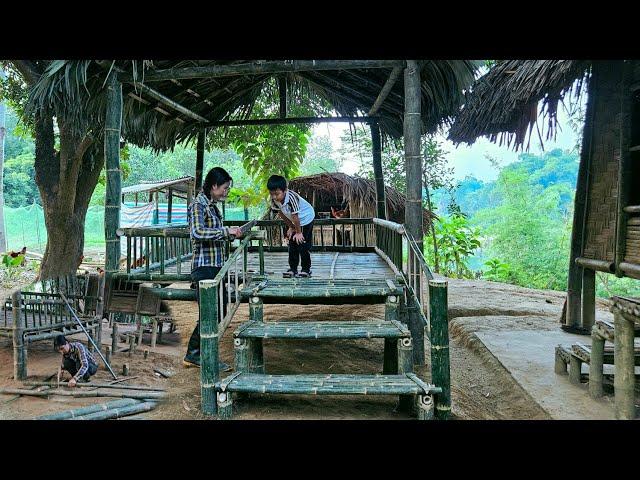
(207, 233)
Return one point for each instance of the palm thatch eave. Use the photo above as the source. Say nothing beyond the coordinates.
(502, 105)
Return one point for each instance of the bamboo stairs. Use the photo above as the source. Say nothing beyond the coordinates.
(397, 377)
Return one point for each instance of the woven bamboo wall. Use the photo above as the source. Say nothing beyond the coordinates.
(602, 196)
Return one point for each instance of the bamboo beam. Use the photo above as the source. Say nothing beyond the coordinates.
(76, 412)
(288, 121)
(261, 68)
(168, 102)
(386, 89)
(377, 170)
(574, 281)
(412, 155)
(200, 159)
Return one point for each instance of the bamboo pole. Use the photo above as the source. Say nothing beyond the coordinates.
(413, 156)
(19, 345)
(200, 159)
(282, 93)
(574, 282)
(381, 202)
(588, 298)
(425, 406)
(575, 369)
(596, 366)
(98, 385)
(210, 370)
(440, 370)
(386, 89)
(241, 351)
(76, 412)
(168, 102)
(225, 405)
(260, 68)
(624, 378)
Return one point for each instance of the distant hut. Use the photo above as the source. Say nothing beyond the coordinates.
(503, 105)
(355, 194)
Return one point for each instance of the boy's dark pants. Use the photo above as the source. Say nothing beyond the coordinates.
(301, 251)
(72, 366)
(202, 273)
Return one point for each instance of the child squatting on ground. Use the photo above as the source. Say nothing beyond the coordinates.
(298, 214)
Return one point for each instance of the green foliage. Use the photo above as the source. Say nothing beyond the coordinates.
(19, 181)
(252, 196)
(497, 271)
(11, 261)
(320, 157)
(457, 242)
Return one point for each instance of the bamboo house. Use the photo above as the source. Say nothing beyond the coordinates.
(503, 106)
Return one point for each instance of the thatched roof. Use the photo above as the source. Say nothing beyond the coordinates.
(338, 189)
(503, 104)
(77, 89)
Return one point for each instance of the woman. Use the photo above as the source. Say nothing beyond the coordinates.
(208, 237)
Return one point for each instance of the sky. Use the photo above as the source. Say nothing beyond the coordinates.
(469, 160)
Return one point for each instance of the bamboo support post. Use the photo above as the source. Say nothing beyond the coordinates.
(125, 369)
(596, 366)
(107, 354)
(390, 362)
(439, 327)
(210, 369)
(114, 337)
(146, 353)
(377, 169)
(575, 369)
(225, 405)
(624, 378)
(132, 344)
(413, 156)
(154, 334)
(241, 352)
(19, 345)
(112, 130)
(560, 366)
(405, 365)
(588, 298)
(256, 355)
(425, 406)
(256, 309)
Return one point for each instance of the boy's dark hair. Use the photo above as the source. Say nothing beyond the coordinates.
(276, 182)
(59, 341)
(216, 176)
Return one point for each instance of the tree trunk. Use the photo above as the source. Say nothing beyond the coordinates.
(66, 180)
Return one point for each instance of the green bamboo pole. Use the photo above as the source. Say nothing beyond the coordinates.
(19, 346)
(256, 309)
(225, 405)
(209, 370)
(118, 412)
(405, 365)
(113, 120)
(624, 378)
(588, 298)
(200, 159)
(377, 169)
(413, 156)
(76, 412)
(390, 362)
(261, 255)
(596, 366)
(256, 355)
(439, 323)
(425, 406)
(241, 351)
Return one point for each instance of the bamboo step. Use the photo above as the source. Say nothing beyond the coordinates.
(320, 288)
(607, 330)
(323, 329)
(583, 352)
(321, 384)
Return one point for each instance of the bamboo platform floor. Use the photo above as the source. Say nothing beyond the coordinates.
(348, 265)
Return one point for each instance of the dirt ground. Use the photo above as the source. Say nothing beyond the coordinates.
(481, 387)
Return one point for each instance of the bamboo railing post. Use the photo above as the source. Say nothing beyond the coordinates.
(261, 255)
(390, 362)
(588, 298)
(114, 337)
(624, 378)
(560, 367)
(596, 366)
(377, 170)
(413, 156)
(425, 406)
(575, 369)
(19, 345)
(440, 370)
(209, 370)
(405, 365)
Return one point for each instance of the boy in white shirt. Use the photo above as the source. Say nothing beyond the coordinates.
(298, 214)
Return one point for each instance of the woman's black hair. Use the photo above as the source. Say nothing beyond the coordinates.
(216, 176)
(276, 182)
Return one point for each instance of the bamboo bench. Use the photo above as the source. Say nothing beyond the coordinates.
(323, 384)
